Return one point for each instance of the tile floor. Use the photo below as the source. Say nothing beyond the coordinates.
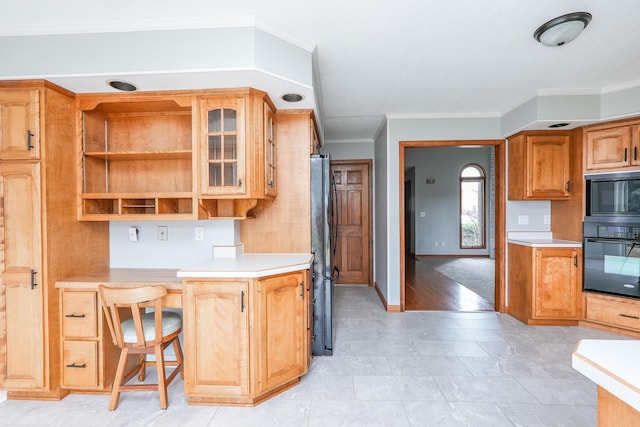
(389, 369)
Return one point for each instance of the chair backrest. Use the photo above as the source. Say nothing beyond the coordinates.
(120, 304)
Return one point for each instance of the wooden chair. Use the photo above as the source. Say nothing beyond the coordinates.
(139, 333)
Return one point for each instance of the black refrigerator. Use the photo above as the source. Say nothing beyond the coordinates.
(323, 247)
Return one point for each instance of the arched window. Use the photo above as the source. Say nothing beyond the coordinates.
(472, 207)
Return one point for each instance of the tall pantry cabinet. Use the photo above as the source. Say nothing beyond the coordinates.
(40, 239)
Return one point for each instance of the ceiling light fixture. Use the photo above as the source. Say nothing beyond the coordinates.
(292, 97)
(563, 29)
(122, 85)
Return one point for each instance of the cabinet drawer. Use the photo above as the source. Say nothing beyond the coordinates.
(79, 364)
(79, 317)
(613, 313)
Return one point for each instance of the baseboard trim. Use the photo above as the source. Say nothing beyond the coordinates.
(387, 307)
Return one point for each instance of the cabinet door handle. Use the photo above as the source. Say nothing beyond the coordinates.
(628, 316)
(302, 289)
(635, 153)
(625, 154)
(575, 261)
(242, 302)
(33, 279)
(73, 365)
(568, 186)
(29, 135)
(75, 316)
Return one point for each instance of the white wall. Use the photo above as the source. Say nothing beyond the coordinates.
(421, 129)
(349, 150)
(438, 232)
(380, 214)
(180, 250)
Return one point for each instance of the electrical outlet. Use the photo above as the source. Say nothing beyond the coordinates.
(523, 219)
(547, 219)
(133, 234)
(199, 233)
(163, 232)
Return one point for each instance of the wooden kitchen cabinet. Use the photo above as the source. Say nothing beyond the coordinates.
(545, 284)
(611, 313)
(19, 123)
(539, 166)
(612, 147)
(282, 340)
(237, 146)
(22, 291)
(89, 356)
(216, 340)
(245, 340)
(136, 154)
(39, 218)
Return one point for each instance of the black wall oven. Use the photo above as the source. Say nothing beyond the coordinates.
(612, 257)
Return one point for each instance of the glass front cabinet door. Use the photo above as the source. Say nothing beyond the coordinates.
(223, 147)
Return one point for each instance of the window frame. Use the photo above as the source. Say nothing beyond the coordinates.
(482, 179)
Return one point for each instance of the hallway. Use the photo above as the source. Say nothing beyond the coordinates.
(428, 289)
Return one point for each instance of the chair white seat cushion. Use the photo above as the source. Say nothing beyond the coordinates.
(171, 322)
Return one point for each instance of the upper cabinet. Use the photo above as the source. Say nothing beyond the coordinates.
(19, 124)
(612, 147)
(237, 152)
(175, 155)
(136, 157)
(539, 166)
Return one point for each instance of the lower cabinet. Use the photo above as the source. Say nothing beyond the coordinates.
(216, 339)
(545, 284)
(244, 340)
(621, 315)
(89, 357)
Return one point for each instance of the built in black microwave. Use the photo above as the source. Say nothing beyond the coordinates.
(613, 194)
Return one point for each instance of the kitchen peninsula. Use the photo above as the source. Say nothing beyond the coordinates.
(612, 365)
(247, 326)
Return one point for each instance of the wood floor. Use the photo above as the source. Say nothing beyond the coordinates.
(428, 289)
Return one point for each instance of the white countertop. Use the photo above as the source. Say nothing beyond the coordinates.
(546, 243)
(248, 265)
(613, 365)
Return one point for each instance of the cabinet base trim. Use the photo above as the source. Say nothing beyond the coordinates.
(241, 400)
(37, 395)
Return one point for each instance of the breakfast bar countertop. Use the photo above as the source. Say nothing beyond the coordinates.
(612, 365)
(248, 266)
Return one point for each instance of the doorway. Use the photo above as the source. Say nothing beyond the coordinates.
(413, 267)
(353, 256)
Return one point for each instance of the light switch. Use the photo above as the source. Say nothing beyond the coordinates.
(423, 214)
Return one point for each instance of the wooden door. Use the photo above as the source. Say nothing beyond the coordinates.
(21, 289)
(216, 338)
(608, 148)
(548, 163)
(352, 218)
(222, 146)
(19, 124)
(282, 339)
(635, 145)
(556, 287)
